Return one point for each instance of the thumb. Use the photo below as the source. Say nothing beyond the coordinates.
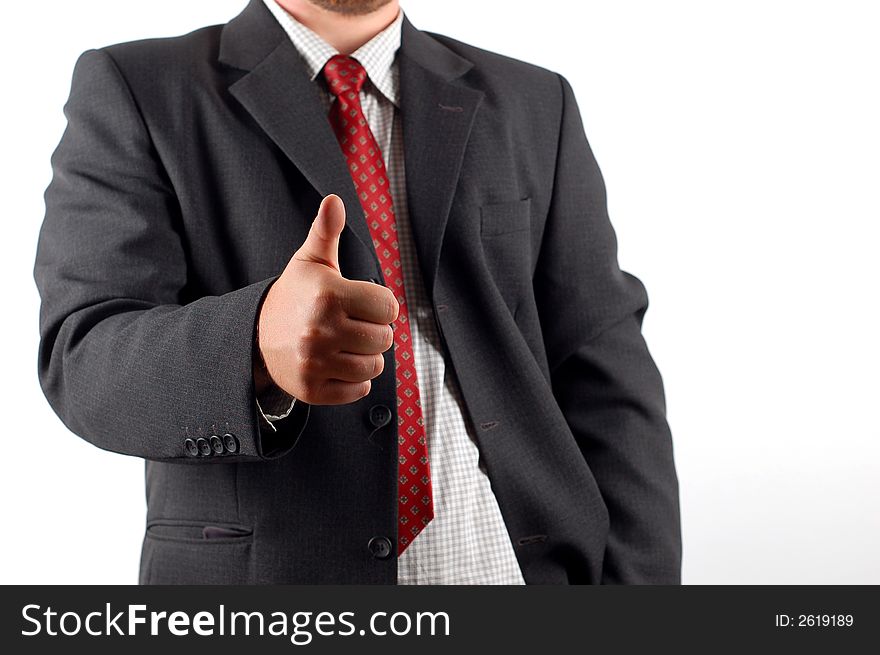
(322, 244)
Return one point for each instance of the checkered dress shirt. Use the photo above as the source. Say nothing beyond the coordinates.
(467, 541)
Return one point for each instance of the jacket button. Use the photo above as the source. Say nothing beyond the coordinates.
(380, 547)
(203, 446)
(191, 449)
(380, 416)
(231, 442)
(217, 444)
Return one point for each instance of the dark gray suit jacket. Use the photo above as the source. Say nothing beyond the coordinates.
(190, 171)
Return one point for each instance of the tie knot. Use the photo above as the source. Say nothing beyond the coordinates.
(345, 76)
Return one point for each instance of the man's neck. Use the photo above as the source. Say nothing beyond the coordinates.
(345, 32)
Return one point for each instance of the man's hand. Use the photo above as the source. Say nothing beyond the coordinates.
(320, 335)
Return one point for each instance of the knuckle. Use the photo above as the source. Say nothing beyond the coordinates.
(310, 341)
(310, 393)
(328, 392)
(309, 365)
(354, 368)
(365, 368)
(324, 300)
(378, 366)
(391, 306)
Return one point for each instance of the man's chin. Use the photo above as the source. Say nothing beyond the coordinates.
(350, 7)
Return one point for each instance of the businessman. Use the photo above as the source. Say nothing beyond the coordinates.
(351, 290)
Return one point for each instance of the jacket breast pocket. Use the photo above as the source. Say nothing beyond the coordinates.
(501, 218)
(506, 236)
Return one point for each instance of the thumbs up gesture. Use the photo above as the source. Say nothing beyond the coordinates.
(322, 336)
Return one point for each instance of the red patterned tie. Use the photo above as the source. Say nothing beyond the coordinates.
(345, 77)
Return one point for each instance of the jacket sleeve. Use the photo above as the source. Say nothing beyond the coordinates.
(603, 376)
(121, 361)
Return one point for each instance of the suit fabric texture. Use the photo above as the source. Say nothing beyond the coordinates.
(190, 171)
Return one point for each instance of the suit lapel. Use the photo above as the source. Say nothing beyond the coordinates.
(278, 94)
(437, 118)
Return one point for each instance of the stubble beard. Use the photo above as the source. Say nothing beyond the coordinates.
(350, 7)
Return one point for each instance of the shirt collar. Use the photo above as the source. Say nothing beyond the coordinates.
(377, 55)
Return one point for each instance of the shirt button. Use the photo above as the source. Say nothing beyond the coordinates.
(380, 547)
(380, 416)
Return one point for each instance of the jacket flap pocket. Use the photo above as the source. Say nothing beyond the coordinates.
(190, 531)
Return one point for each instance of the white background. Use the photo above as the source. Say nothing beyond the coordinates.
(740, 144)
